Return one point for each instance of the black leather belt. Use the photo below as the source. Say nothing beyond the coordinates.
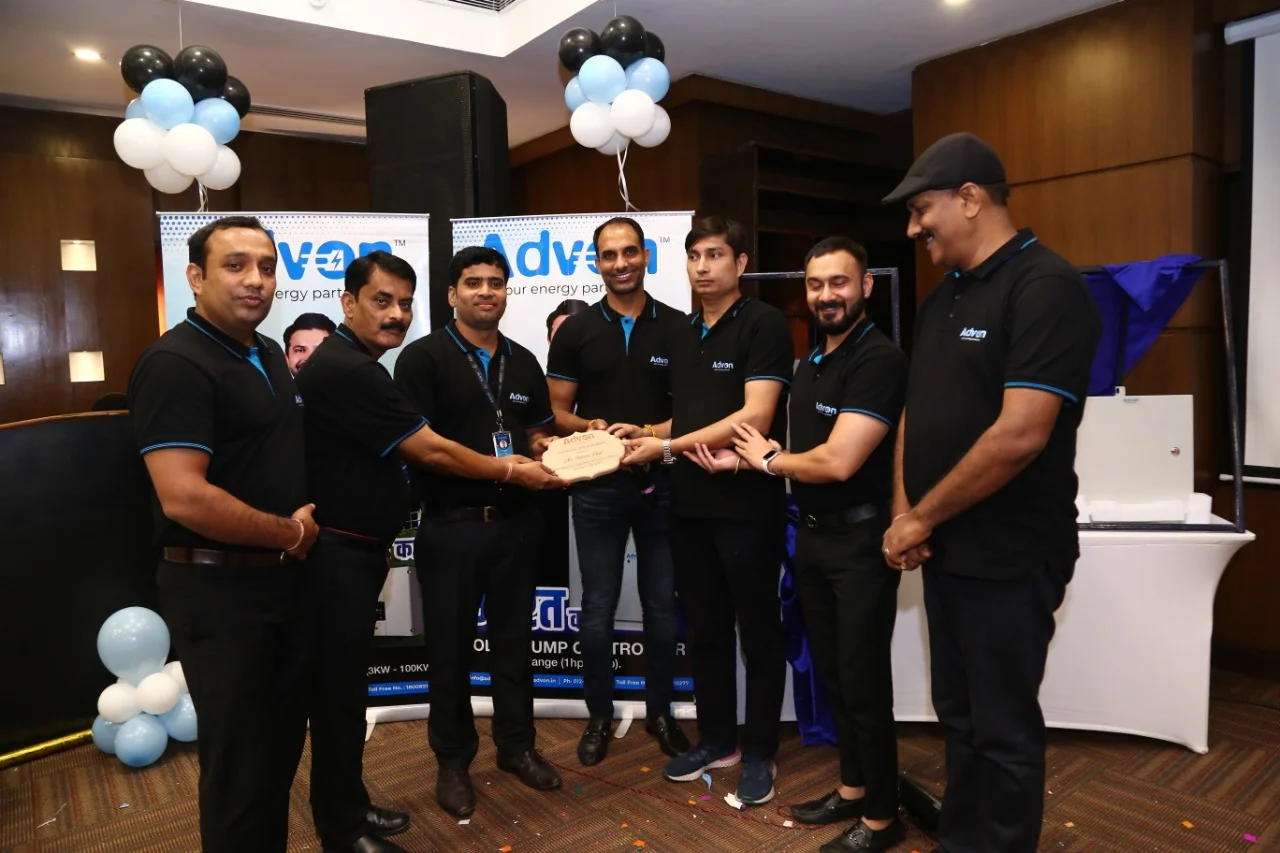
(351, 540)
(486, 514)
(213, 557)
(852, 515)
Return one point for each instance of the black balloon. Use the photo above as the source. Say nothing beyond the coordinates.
(201, 70)
(623, 39)
(237, 95)
(577, 46)
(143, 63)
(653, 47)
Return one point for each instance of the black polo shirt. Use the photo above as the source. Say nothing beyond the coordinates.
(356, 417)
(201, 389)
(865, 375)
(1024, 318)
(436, 376)
(622, 366)
(709, 369)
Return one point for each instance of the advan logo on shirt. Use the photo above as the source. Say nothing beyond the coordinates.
(824, 409)
(971, 334)
(518, 398)
(722, 366)
(659, 361)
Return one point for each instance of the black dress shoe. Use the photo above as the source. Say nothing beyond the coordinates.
(532, 769)
(368, 844)
(594, 745)
(670, 739)
(861, 838)
(832, 808)
(454, 792)
(384, 822)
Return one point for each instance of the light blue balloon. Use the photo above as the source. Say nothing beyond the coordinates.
(168, 103)
(650, 76)
(134, 642)
(573, 97)
(141, 741)
(219, 118)
(602, 79)
(104, 735)
(135, 109)
(180, 720)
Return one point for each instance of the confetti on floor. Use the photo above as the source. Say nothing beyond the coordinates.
(788, 824)
(639, 844)
(1188, 824)
(644, 769)
(1252, 839)
(625, 825)
(1069, 825)
(705, 797)
(706, 777)
(734, 802)
(578, 790)
(506, 848)
(466, 821)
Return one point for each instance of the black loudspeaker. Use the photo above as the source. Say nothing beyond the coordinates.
(438, 145)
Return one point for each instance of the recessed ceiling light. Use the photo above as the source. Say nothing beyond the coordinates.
(87, 54)
(955, 2)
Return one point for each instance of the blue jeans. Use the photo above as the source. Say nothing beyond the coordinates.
(604, 512)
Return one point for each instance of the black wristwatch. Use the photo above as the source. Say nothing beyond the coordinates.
(769, 457)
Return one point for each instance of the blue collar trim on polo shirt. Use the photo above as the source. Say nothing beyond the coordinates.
(503, 341)
(250, 354)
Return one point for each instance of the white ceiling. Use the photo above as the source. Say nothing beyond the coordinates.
(857, 53)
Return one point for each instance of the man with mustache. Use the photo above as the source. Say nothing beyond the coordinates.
(302, 337)
(479, 537)
(219, 425)
(845, 401)
(610, 366)
(985, 485)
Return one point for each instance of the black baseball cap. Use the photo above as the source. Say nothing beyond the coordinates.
(948, 164)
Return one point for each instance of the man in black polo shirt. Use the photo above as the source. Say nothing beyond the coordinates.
(731, 364)
(219, 425)
(479, 538)
(985, 486)
(845, 402)
(609, 366)
(361, 429)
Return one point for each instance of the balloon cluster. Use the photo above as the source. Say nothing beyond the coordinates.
(620, 79)
(187, 111)
(149, 704)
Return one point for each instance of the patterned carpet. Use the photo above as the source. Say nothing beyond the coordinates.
(1106, 794)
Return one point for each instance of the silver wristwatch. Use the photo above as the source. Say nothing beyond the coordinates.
(667, 458)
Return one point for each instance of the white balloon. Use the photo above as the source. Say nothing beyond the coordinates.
(166, 179)
(591, 125)
(633, 113)
(158, 693)
(118, 703)
(225, 171)
(661, 129)
(174, 670)
(615, 146)
(190, 149)
(140, 143)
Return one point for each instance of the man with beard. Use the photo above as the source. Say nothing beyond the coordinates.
(731, 363)
(845, 401)
(302, 337)
(610, 367)
(985, 484)
(479, 538)
(361, 429)
(219, 425)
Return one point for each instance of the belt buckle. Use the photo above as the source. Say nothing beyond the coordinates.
(490, 514)
(811, 522)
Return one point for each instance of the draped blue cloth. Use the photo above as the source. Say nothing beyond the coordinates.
(812, 712)
(1136, 301)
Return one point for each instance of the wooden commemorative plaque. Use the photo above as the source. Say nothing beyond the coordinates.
(584, 455)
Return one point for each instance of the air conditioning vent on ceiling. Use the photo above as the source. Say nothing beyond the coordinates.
(488, 5)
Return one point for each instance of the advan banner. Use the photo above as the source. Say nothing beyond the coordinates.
(313, 251)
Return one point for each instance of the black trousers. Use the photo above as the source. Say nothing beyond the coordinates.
(728, 571)
(343, 583)
(988, 641)
(850, 602)
(241, 634)
(459, 563)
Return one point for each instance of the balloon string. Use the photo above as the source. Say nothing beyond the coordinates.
(204, 198)
(181, 45)
(622, 181)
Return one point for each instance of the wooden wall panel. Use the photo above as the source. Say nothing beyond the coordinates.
(1244, 613)
(1105, 89)
(60, 179)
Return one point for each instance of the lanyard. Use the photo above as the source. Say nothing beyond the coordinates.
(484, 383)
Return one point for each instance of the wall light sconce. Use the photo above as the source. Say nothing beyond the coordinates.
(86, 366)
(1, 370)
(79, 256)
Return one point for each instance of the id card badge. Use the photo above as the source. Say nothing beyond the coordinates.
(502, 444)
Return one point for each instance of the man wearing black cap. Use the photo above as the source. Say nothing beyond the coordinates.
(984, 492)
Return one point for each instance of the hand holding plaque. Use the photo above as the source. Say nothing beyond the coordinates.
(584, 456)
